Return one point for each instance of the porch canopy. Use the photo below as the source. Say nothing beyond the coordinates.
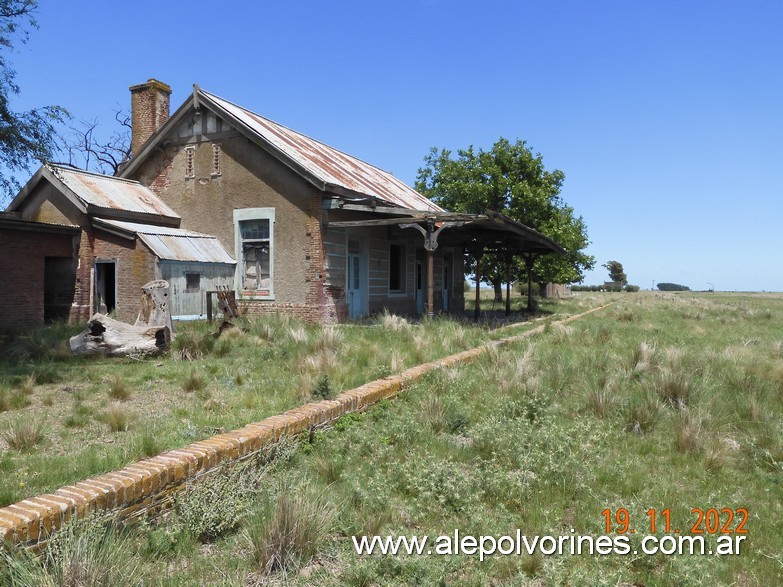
(478, 233)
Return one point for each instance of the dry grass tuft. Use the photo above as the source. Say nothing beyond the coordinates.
(116, 418)
(642, 358)
(688, 431)
(291, 531)
(24, 434)
(118, 389)
(432, 413)
(194, 381)
(393, 322)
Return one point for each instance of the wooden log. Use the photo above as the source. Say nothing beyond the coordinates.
(106, 336)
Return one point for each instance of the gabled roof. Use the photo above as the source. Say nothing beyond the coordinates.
(170, 244)
(100, 195)
(327, 168)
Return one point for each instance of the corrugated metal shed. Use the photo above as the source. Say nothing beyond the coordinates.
(172, 244)
(103, 191)
(330, 166)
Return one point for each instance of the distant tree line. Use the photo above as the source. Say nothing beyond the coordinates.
(614, 288)
(673, 287)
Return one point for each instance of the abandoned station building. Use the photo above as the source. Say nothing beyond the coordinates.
(216, 195)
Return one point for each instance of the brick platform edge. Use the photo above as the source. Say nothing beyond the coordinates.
(148, 486)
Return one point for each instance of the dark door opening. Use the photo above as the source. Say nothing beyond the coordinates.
(105, 287)
(59, 286)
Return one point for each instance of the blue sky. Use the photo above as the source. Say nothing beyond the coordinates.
(665, 116)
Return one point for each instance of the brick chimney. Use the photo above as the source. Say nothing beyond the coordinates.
(149, 110)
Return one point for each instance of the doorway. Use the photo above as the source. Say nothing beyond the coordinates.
(105, 299)
(420, 287)
(447, 262)
(355, 289)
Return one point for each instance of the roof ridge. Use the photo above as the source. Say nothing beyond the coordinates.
(57, 167)
(288, 128)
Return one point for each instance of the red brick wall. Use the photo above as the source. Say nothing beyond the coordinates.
(22, 271)
(136, 265)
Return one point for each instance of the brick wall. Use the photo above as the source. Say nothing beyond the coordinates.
(22, 269)
(135, 266)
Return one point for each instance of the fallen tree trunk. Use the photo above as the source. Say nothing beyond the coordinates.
(106, 336)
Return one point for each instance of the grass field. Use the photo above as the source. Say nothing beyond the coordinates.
(659, 402)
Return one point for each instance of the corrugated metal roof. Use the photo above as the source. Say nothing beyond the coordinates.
(104, 191)
(174, 244)
(330, 166)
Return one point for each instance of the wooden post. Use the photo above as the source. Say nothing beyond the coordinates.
(529, 261)
(477, 309)
(430, 284)
(509, 258)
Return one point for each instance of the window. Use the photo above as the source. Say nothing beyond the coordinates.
(254, 228)
(216, 160)
(190, 153)
(192, 282)
(396, 268)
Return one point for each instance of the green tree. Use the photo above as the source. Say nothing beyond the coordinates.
(512, 180)
(616, 272)
(25, 137)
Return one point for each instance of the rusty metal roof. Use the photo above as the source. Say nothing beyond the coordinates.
(333, 168)
(110, 193)
(171, 244)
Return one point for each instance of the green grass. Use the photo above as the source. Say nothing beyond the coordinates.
(538, 436)
(204, 386)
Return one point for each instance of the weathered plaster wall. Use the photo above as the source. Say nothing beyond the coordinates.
(249, 178)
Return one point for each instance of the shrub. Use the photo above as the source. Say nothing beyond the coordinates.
(214, 505)
(321, 389)
(672, 287)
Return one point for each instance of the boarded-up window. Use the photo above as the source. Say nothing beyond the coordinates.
(256, 252)
(396, 268)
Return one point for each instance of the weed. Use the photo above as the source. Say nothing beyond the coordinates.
(194, 381)
(118, 389)
(191, 345)
(85, 553)
(688, 430)
(394, 323)
(642, 358)
(329, 340)
(215, 505)
(673, 387)
(432, 413)
(643, 415)
(321, 389)
(290, 530)
(116, 418)
(24, 434)
(27, 386)
(329, 468)
(602, 400)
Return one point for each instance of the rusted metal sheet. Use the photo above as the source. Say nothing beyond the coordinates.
(174, 244)
(103, 191)
(329, 165)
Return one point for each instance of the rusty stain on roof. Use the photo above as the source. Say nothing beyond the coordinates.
(104, 191)
(174, 244)
(329, 165)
